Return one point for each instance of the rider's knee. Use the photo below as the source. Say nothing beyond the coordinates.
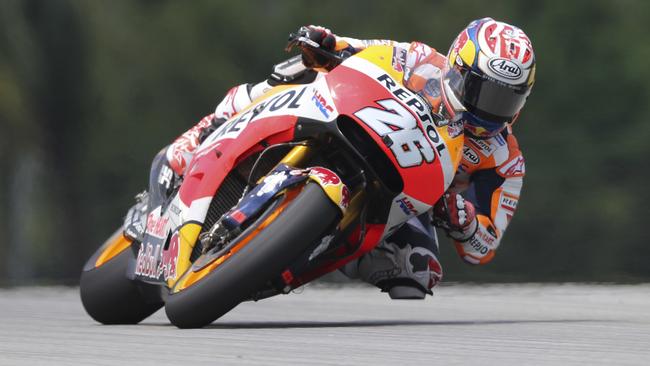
(404, 271)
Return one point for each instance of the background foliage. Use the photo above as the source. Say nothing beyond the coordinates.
(91, 90)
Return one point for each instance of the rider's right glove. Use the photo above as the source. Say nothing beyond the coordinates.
(310, 38)
(456, 215)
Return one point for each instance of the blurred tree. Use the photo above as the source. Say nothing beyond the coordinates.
(47, 60)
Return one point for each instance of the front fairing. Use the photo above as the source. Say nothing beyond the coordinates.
(425, 152)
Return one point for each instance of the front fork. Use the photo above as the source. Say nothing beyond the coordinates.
(298, 156)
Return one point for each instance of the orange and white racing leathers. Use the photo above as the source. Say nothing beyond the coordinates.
(490, 176)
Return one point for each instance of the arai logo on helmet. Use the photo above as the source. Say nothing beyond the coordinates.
(504, 67)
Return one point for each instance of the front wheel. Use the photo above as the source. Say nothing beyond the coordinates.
(269, 247)
(107, 294)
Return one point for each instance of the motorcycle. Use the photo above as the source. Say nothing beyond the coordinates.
(306, 179)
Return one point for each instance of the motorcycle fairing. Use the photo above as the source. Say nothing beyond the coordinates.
(401, 123)
(272, 119)
(427, 180)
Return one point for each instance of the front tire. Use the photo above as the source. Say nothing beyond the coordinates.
(110, 297)
(302, 222)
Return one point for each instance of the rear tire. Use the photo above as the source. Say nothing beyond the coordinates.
(269, 253)
(110, 297)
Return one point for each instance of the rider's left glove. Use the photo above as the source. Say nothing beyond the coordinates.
(456, 215)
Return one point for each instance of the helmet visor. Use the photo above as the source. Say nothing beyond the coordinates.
(487, 98)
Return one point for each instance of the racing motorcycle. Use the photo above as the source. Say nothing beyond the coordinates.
(307, 178)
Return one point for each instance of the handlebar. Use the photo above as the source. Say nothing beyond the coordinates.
(301, 38)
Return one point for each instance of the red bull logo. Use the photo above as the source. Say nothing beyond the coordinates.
(169, 259)
(146, 261)
(332, 185)
(326, 176)
(156, 225)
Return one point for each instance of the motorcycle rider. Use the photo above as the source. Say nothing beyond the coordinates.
(480, 88)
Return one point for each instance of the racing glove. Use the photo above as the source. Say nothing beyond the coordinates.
(456, 215)
(318, 46)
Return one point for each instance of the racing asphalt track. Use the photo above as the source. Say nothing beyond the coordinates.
(478, 325)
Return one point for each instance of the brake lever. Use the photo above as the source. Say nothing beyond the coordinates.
(332, 55)
(297, 37)
(300, 39)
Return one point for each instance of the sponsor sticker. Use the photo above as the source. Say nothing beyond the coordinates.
(275, 105)
(485, 236)
(165, 177)
(174, 209)
(335, 189)
(326, 176)
(148, 264)
(505, 68)
(322, 104)
(406, 206)
(399, 59)
(169, 260)
(271, 183)
(156, 225)
(484, 147)
(509, 203)
(147, 260)
(471, 155)
(478, 246)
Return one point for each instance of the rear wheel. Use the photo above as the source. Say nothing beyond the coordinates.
(266, 249)
(107, 294)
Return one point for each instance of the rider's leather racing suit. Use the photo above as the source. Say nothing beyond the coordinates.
(490, 176)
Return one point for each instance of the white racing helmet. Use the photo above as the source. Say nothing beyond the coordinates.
(490, 72)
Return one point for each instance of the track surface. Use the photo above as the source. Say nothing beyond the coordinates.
(461, 324)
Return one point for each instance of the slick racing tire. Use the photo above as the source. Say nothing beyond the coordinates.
(284, 236)
(110, 297)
